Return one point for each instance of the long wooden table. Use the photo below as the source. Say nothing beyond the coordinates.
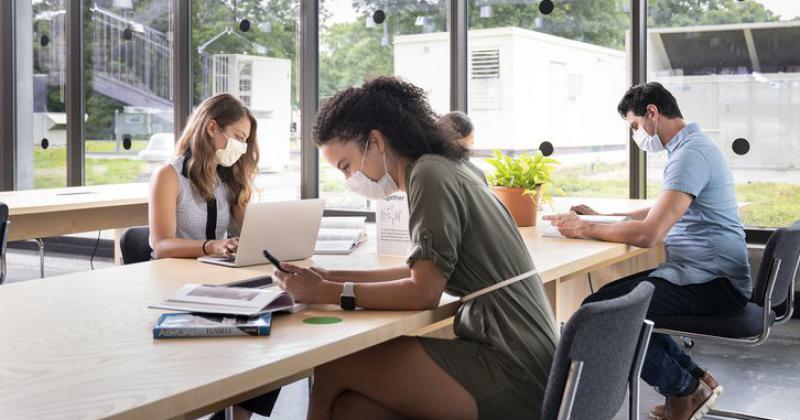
(61, 211)
(80, 346)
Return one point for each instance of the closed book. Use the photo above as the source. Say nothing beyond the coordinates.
(180, 325)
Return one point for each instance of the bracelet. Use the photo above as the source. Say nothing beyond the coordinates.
(204, 246)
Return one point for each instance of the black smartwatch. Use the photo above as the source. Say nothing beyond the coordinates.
(347, 300)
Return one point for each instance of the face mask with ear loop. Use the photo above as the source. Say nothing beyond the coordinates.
(646, 142)
(374, 190)
(232, 151)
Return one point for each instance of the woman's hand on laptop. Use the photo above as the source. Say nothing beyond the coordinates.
(306, 285)
(223, 247)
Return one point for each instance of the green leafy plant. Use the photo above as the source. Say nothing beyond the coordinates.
(526, 171)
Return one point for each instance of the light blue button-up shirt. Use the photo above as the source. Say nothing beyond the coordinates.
(708, 241)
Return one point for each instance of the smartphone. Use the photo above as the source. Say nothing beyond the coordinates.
(274, 261)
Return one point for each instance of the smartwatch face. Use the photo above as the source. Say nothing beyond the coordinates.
(348, 302)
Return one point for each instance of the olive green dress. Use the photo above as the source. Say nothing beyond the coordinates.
(506, 338)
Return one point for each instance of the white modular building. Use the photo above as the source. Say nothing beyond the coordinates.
(264, 84)
(526, 87)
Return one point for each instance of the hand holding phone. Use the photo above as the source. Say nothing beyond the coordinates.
(276, 262)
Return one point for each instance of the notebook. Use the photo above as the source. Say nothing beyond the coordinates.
(243, 301)
(340, 235)
(550, 231)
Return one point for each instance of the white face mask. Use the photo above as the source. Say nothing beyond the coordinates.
(646, 142)
(232, 151)
(374, 190)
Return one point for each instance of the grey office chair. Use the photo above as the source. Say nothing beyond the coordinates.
(5, 225)
(772, 304)
(601, 351)
(135, 245)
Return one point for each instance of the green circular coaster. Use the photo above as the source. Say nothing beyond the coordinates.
(322, 320)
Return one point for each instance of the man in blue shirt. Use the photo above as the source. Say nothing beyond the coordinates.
(706, 270)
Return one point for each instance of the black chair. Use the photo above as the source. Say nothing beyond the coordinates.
(772, 304)
(135, 245)
(599, 358)
(5, 226)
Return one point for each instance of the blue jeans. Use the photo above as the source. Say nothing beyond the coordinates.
(666, 366)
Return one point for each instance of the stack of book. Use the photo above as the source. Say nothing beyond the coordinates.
(340, 235)
(221, 311)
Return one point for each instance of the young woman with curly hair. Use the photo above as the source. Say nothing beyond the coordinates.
(383, 137)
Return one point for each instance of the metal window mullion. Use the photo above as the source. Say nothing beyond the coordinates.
(457, 26)
(7, 114)
(637, 158)
(309, 96)
(74, 100)
(181, 64)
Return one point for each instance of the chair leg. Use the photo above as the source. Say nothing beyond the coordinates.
(40, 242)
(229, 413)
(3, 269)
(636, 370)
(724, 414)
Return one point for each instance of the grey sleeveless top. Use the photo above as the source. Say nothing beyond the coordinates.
(191, 212)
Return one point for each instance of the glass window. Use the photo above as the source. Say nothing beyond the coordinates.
(364, 39)
(734, 68)
(46, 88)
(552, 82)
(128, 85)
(250, 48)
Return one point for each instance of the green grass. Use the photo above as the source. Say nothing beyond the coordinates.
(106, 146)
(768, 204)
(50, 169)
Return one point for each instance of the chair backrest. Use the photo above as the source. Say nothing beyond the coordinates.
(135, 245)
(604, 336)
(783, 244)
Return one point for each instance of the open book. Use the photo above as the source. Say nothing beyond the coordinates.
(340, 235)
(228, 300)
(550, 231)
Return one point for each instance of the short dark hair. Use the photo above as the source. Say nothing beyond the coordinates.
(638, 97)
(396, 108)
(459, 121)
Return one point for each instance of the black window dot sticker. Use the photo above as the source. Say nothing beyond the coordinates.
(741, 146)
(244, 25)
(127, 34)
(45, 143)
(546, 148)
(44, 40)
(546, 7)
(379, 16)
(126, 142)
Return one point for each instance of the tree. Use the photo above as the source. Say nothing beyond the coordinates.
(352, 52)
(274, 25)
(679, 13)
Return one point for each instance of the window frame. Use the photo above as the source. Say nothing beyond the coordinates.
(309, 102)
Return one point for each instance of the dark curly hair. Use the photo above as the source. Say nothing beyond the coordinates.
(394, 107)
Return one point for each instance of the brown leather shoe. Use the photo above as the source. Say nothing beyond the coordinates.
(657, 412)
(712, 383)
(690, 407)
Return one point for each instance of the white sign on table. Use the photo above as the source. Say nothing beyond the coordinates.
(391, 217)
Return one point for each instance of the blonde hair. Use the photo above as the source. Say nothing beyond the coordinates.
(198, 147)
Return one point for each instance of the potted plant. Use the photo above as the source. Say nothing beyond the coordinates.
(522, 183)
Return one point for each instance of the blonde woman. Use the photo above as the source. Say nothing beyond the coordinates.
(213, 172)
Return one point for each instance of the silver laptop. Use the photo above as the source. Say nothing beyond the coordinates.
(288, 230)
